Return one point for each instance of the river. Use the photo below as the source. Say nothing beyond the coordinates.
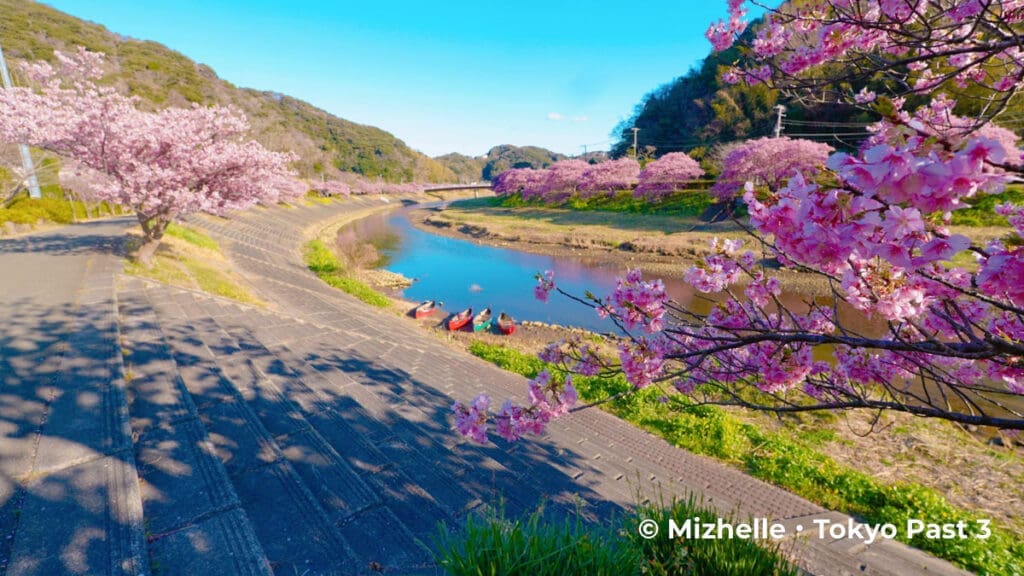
(463, 274)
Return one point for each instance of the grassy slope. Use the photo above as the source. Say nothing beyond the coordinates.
(326, 265)
(190, 259)
(787, 461)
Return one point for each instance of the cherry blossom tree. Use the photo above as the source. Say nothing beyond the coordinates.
(333, 188)
(609, 177)
(162, 165)
(510, 182)
(920, 319)
(769, 162)
(527, 182)
(562, 180)
(666, 175)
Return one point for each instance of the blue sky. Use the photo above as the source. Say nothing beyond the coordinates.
(453, 76)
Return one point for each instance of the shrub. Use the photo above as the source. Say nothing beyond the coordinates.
(322, 261)
(493, 545)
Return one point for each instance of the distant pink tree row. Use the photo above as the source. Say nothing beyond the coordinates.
(768, 162)
(161, 165)
(666, 175)
(561, 180)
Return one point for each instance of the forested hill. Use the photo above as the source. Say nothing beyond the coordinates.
(162, 77)
(497, 160)
(697, 111)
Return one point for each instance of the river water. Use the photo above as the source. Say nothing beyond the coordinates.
(462, 273)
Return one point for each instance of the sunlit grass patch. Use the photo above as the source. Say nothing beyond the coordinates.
(326, 265)
(192, 236)
(190, 259)
(53, 208)
(492, 543)
(787, 460)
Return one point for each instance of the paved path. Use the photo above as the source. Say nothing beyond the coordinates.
(313, 438)
(69, 499)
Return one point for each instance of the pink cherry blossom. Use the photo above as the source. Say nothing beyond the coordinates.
(769, 162)
(666, 175)
(163, 164)
(609, 177)
(472, 420)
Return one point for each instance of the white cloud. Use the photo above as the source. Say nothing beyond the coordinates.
(555, 116)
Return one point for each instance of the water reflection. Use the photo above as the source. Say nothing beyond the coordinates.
(463, 274)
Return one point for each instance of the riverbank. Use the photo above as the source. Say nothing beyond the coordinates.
(660, 245)
(969, 472)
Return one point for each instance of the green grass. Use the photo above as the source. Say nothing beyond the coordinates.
(981, 210)
(53, 207)
(195, 262)
(687, 203)
(212, 280)
(726, 557)
(164, 269)
(787, 461)
(192, 236)
(325, 264)
(495, 545)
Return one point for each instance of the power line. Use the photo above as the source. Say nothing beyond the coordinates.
(829, 124)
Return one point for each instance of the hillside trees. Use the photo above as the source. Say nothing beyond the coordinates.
(327, 145)
(162, 164)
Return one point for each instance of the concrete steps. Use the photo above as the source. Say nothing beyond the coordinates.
(193, 514)
(347, 485)
(336, 465)
(218, 468)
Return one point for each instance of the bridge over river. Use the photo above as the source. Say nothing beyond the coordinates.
(457, 187)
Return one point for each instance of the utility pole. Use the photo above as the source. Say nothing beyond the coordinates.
(780, 113)
(635, 130)
(26, 158)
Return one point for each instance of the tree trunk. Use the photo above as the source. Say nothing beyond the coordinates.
(153, 228)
